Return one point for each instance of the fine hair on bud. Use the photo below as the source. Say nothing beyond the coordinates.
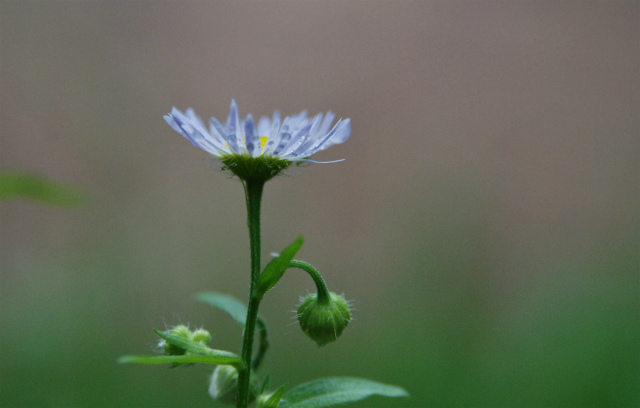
(200, 335)
(324, 321)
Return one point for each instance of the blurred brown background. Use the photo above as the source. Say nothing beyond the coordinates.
(485, 221)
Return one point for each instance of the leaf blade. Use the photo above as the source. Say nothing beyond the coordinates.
(332, 391)
(273, 401)
(227, 303)
(186, 359)
(278, 265)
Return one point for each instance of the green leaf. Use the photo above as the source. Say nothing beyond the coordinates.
(278, 265)
(266, 384)
(227, 303)
(224, 358)
(273, 400)
(23, 185)
(327, 392)
(238, 311)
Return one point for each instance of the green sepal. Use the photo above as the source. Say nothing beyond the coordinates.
(278, 265)
(219, 357)
(24, 185)
(272, 400)
(261, 168)
(327, 392)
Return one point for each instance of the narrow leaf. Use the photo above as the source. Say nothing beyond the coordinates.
(227, 303)
(274, 399)
(221, 359)
(266, 384)
(328, 392)
(24, 185)
(278, 265)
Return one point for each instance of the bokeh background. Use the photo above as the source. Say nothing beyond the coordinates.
(485, 222)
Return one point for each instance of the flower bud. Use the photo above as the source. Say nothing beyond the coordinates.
(223, 385)
(324, 322)
(171, 350)
(201, 336)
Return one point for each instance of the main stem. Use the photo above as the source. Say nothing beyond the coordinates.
(253, 190)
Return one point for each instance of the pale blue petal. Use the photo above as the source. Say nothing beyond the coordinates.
(273, 136)
(298, 139)
(317, 146)
(311, 138)
(251, 139)
(194, 119)
(217, 131)
(316, 122)
(189, 128)
(220, 130)
(264, 126)
(233, 129)
(282, 137)
(315, 161)
(295, 138)
(300, 116)
(340, 136)
(326, 123)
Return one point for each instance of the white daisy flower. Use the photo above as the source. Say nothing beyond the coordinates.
(295, 138)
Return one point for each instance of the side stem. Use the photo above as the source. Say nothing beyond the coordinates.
(321, 287)
(253, 191)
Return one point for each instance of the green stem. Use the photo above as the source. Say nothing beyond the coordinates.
(263, 344)
(253, 191)
(323, 291)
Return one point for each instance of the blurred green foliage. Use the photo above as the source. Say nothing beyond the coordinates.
(446, 333)
(38, 188)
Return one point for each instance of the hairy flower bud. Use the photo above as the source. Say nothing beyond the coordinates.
(171, 350)
(201, 336)
(324, 322)
(223, 385)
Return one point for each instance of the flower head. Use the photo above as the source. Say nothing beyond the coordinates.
(255, 151)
